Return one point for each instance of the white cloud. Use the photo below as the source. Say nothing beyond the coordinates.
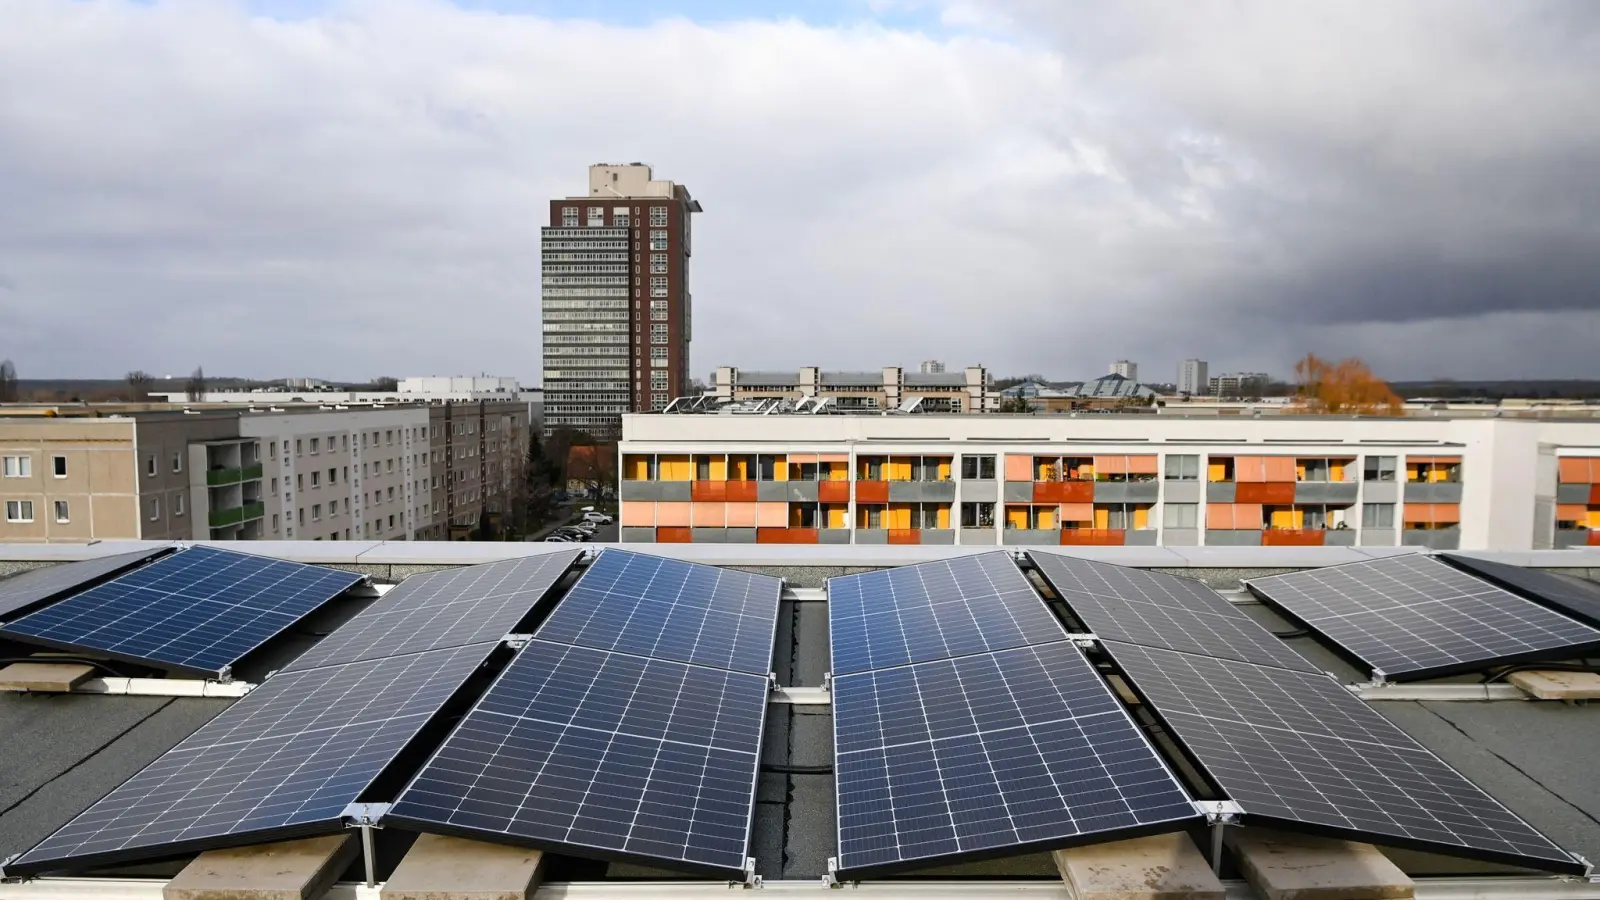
(360, 192)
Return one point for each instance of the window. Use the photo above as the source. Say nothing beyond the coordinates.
(658, 240)
(299, 481)
(274, 484)
(658, 264)
(19, 467)
(658, 217)
(177, 505)
(1377, 515)
(389, 467)
(619, 217)
(155, 508)
(597, 217)
(658, 400)
(658, 381)
(658, 334)
(388, 437)
(62, 516)
(297, 447)
(977, 515)
(150, 466)
(569, 217)
(333, 476)
(274, 521)
(314, 442)
(302, 514)
(390, 498)
(59, 466)
(316, 512)
(1180, 515)
(391, 521)
(658, 357)
(333, 507)
(1182, 467)
(19, 510)
(1379, 468)
(177, 461)
(272, 450)
(658, 286)
(316, 480)
(978, 467)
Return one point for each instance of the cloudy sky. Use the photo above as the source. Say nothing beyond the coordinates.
(345, 189)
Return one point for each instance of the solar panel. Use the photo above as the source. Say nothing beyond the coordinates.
(934, 610)
(666, 609)
(1415, 617)
(283, 761)
(1577, 597)
(452, 608)
(602, 754)
(38, 585)
(997, 752)
(1156, 610)
(1298, 750)
(197, 611)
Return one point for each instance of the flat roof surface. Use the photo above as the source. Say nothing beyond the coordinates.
(61, 753)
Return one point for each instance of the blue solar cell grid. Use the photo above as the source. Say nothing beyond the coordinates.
(666, 609)
(999, 751)
(936, 610)
(603, 752)
(284, 760)
(197, 611)
(28, 588)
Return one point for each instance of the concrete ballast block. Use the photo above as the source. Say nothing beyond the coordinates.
(1161, 867)
(1556, 685)
(288, 870)
(1284, 866)
(448, 868)
(57, 677)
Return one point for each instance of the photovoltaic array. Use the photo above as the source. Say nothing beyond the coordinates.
(629, 728)
(1416, 617)
(284, 761)
(936, 610)
(981, 731)
(1576, 597)
(198, 611)
(38, 585)
(450, 608)
(1153, 609)
(1298, 750)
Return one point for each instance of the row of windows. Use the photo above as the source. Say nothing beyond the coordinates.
(586, 256)
(587, 235)
(606, 352)
(577, 327)
(584, 292)
(588, 316)
(584, 268)
(584, 245)
(21, 511)
(21, 466)
(585, 304)
(597, 280)
(618, 337)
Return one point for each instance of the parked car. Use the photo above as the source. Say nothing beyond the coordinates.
(599, 518)
(576, 534)
(560, 539)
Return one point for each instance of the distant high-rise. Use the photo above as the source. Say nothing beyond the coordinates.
(616, 305)
(1126, 368)
(931, 367)
(1192, 377)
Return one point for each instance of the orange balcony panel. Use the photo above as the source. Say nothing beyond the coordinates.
(1594, 495)
(740, 491)
(1093, 537)
(833, 492)
(1063, 492)
(1293, 537)
(1274, 492)
(708, 491)
(786, 536)
(672, 535)
(1594, 537)
(905, 536)
(870, 492)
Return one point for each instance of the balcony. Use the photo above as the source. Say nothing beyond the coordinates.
(222, 518)
(1294, 537)
(1433, 492)
(219, 477)
(872, 491)
(1093, 537)
(1448, 538)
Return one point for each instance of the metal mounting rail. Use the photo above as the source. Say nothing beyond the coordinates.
(165, 687)
(1390, 690)
(801, 696)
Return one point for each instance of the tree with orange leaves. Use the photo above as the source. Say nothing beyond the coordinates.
(1346, 387)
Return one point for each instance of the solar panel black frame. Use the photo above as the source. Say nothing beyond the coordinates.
(1433, 568)
(1194, 619)
(1326, 693)
(586, 616)
(41, 585)
(1069, 694)
(449, 608)
(1575, 597)
(541, 680)
(985, 596)
(268, 713)
(91, 603)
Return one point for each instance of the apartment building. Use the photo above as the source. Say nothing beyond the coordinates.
(414, 389)
(892, 387)
(1125, 368)
(336, 475)
(1441, 483)
(1193, 377)
(617, 311)
(477, 452)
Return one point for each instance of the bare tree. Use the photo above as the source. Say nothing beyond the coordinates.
(196, 388)
(139, 382)
(8, 382)
(385, 383)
